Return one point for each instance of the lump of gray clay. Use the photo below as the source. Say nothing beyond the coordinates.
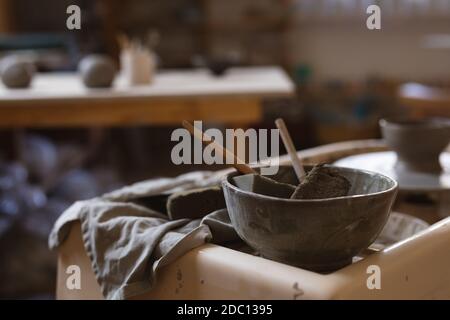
(15, 72)
(97, 71)
(195, 203)
(322, 183)
(263, 185)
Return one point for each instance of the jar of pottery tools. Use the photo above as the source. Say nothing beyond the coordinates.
(137, 60)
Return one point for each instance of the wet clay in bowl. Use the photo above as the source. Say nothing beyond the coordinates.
(417, 143)
(316, 234)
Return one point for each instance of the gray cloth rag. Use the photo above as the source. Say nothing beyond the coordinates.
(127, 241)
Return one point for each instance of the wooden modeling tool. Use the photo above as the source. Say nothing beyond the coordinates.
(238, 164)
(289, 145)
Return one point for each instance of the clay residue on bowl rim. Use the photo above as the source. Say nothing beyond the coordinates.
(393, 185)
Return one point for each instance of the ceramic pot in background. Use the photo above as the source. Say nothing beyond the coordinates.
(16, 71)
(417, 143)
(97, 71)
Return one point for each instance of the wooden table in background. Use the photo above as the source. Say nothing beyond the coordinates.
(60, 99)
(423, 101)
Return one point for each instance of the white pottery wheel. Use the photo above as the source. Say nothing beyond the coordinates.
(383, 162)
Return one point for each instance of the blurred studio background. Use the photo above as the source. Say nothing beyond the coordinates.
(230, 63)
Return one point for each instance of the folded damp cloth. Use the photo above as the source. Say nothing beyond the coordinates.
(128, 235)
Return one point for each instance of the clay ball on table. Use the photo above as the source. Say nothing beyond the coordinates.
(15, 72)
(97, 71)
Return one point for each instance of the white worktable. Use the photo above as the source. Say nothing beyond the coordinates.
(60, 99)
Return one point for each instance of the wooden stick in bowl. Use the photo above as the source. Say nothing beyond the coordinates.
(238, 164)
(289, 145)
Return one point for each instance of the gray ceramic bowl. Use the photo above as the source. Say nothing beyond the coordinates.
(320, 235)
(418, 143)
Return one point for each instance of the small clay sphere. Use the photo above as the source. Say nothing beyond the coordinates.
(15, 72)
(97, 71)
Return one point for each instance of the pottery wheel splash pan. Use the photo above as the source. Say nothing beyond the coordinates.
(321, 235)
(409, 181)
